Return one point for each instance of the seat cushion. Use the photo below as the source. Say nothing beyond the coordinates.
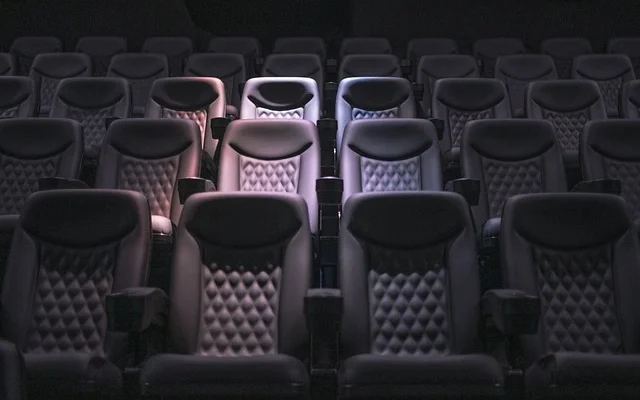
(376, 376)
(161, 225)
(584, 376)
(71, 374)
(277, 376)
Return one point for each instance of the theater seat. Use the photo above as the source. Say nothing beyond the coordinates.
(579, 254)
(281, 98)
(420, 47)
(295, 65)
(486, 51)
(7, 65)
(26, 48)
(60, 270)
(12, 379)
(177, 50)
(411, 317)
(236, 326)
(563, 51)
(101, 49)
(229, 68)
(18, 97)
(249, 47)
(629, 46)
(368, 65)
(364, 45)
(301, 45)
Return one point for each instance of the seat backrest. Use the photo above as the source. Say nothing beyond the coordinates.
(417, 48)
(579, 253)
(629, 46)
(281, 98)
(249, 47)
(390, 155)
(49, 69)
(563, 51)
(368, 65)
(150, 156)
(272, 156)
(301, 45)
(407, 261)
(62, 267)
(510, 157)
(101, 49)
(432, 68)
(372, 98)
(26, 48)
(486, 51)
(517, 71)
(611, 150)
(90, 101)
(630, 100)
(196, 99)
(365, 45)
(295, 65)
(460, 100)
(609, 71)
(141, 70)
(18, 98)
(228, 67)
(7, 65)
(569, 105)
(255, 262)
(177, 50)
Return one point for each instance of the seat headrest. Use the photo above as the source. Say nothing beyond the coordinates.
(370, 65)
(365, 45)
(446, 66)
(242, 45)
(470, 94)
(185, 94)
(301, 65)
(62, 65)
(300, 45)
(271, 139)
(602, 66)
(390, 139)
(615, 139)
(102, 46)
(93, 93)
(567, 220)
(279, 93)
(565, 95)
(33, 45)
(495, 47)
(172, 46)
(220, 65)
(139, 65)
(46, 137)
(510, 139)
(244, 220)
(406, 220)
(15, 90)
(526, 67)
(70, 217)
(375, 93)
(435, 46)
(566, 48)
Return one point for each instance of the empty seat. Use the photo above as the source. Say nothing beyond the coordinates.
(7, 65)
(236, 326)
(25, 50)
(12, 377)
(177, 50)
(578, 253)
(71, 249)
(248, 47)
(141, 70)
(91, 101)
(101, 49)
(418, 48)
(486, 51)
(281, 98)
(460, 100)
(229, 68)
(372, 98)
(609, 71)
(365, 45)
(272, 156)
(432, 68)
(518, 71)
(410, 283)
(389, 156)
(300, 45)
(563, 51)
(49, 69)
(628, 46)
(295, 65)
(18, 98)
(569, 105)
(368, 65)
(630, 100)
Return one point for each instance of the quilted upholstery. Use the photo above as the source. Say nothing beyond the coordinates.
(19, 178)
(629, 174)
(270, 176)
(297, 113)
(48, 88)
(408, 307)
(9, 112)
(68, 308)
(358, 113)
(610, 90)
(576, 290)
(458, 119)
(568, 126)
(93, 126)
(385, 176)
(199, 116)
(507, 179)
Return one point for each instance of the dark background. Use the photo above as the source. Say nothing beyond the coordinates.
(399, 20)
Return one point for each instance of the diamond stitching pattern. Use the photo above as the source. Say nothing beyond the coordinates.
(610, 90)
(153, 178)
(458, 119)
(48, 88)
(199, 116)
(297, 113)
(69, 306)
(578, 302)
(629, 175)
(390, 176)
(507, 179)
(568, 126)
(358, 113)
(9, 112)
(19, 178)
(269, 176)
(93, 127)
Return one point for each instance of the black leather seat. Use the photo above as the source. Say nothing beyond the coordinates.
(389, 156)
(563, 51)
(630, 100)
(7, 65)
(300, 45)
(60, 270)
(26, 48)
(460, 100)
(364, 45)
(368, 65)
(486, 51)
(12, 376)
(579, 253)
(295, 65)
(18, 97)
(420, 47)
(229, 68)
(517, 71)
(411, 290)
(272, 156)
(281, 98)
(610, 72)
(629, 46)
(569, 105)
(236, 324)
(49, 69)
(141, 70)
(177, 50)
(101, 49)
(249, 47)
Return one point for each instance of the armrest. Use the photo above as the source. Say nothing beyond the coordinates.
(55, 183)
(329, 190)
(187, 187)
(468, 188)
(323, 304)
(327, 131)
(439, 125)
(405, 65)
(332, 65)
(418, 90)
(136, 309)
(219, 127)
(491, 232)
(110, 120)
(605, 186)
(231, 112)
(330, 90)
(512, 312)
(259, 62)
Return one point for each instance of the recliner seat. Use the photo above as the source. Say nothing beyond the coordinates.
(18, 97)
(295, 65)
(629, 46)
(486, 51)
(420, 47)
(101, 49)
(563, 51)
(26, 48)
(249, 47)
(281, 98)
(176, 49)
(229, 68)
